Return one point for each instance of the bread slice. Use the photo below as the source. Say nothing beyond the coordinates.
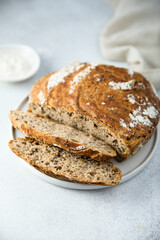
(60, 163)
(66, 137)
(111, 103)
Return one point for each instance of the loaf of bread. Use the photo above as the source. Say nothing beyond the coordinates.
(110, 103)
(60, 163)
(64, 136)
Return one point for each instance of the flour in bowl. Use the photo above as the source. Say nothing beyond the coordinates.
(13, 66)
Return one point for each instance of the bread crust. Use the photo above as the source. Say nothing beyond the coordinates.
(99, 101)
(63, 143)
(46, 170)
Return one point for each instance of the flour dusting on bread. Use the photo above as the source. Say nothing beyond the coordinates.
(41, 97)
(137, 118)
(122, 85)
(81, 75)
(122, 123)
(59, 76)
(131, 98)
(151, 112)
(98, 77)
(103, 103)
(80, 147)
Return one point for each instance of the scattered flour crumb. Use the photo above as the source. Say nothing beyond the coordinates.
(112, 108)
(141, 85)
(41, 97)
(87, 103)
(103, 103)
(97, 76)
(131, 125)
(151, 112)
(125, 134)
(98, 79)
(122, 85)
(122, 123)
(80, 147)
(131, 98)
(138, 118)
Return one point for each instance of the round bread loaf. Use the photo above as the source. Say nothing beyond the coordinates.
(110, 103)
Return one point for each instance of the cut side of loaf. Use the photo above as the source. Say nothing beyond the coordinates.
(60, 163)
(64, 136)
(83, 123)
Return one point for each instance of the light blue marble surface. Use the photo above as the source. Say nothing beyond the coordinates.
(62, 31)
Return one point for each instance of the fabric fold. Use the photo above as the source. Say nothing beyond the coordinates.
(133, 36)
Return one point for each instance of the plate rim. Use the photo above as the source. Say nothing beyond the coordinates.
(81, 186)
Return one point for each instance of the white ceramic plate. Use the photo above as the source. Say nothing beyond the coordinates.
(25, 52)
(129, 168)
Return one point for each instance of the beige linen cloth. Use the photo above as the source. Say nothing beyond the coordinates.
(133, 36)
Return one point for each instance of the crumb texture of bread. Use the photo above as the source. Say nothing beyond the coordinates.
(60, 163)
(110, 103)
(66, 137)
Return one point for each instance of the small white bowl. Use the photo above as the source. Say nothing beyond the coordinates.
(25, 52)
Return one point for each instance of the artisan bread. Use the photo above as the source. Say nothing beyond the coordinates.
(60, 163)
(64, 136)
(110, 103)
